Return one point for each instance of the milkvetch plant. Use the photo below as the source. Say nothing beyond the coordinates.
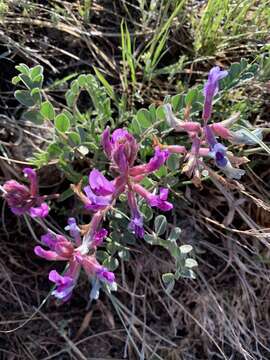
(139, 176)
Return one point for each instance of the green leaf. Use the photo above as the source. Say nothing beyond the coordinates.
(102, 255)
(36, 71)
(135, 127)
(190, 263)
(191, 96)
(160, 114)
(255, 139)
(174, 234)
(54, 150)
(24, 97)
(129, 238)
(169, 282)
(167, 278)
(152, 111)
(173, 162)
(36, 95)
(111, 263)
(22, 68)
(161, 172)
(38, 80)
(144, 118)
(33, 116)
(62, 123)
(124, 254)
(15, 80)
(47, 110)
(172, 246)
(147, 211)
(150, 239)
(185, 249)
(107, 86)
(177, 102)
(82, 80)
(160, 224)
(74, 138)
(188, 273)
(26, 80)
(70, 98)
(112, 247)
(235, 70)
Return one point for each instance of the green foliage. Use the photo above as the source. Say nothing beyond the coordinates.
(225, 22)
(184, 264)
(76, 133)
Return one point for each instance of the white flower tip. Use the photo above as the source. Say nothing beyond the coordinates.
(171, 119)
(233, 173)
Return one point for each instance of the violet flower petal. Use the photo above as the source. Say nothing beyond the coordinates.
(211, 89)
(99, 184)
(105, 275)
(32, 176)
(47, 254)
(41, 211)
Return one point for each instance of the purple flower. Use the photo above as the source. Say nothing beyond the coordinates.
(25, 200)
(99, 191)
(94, 269)
(121, 148)
(74, 230)
(64, 284)
(32, 177)
(42, 211)
(159, 201)
(211, 89)
(217, 150)
(99, 184)
(136, 223)
(99, 236)
(106, 142)
(158, 160)
(154, 163)
(105, 275)
(219, 154)
(60, 249)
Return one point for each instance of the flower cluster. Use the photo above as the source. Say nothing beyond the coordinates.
(77, 257)
(78, 250)
(203, 137)
(24, 199)
(121, 150)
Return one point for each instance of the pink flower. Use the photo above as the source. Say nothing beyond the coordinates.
(99, 191)
(61, 249)
(99, 236)
(154, 163)
(136, 223)
(159, 201)
(190, 127)
(23, 199)
(121, 148)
